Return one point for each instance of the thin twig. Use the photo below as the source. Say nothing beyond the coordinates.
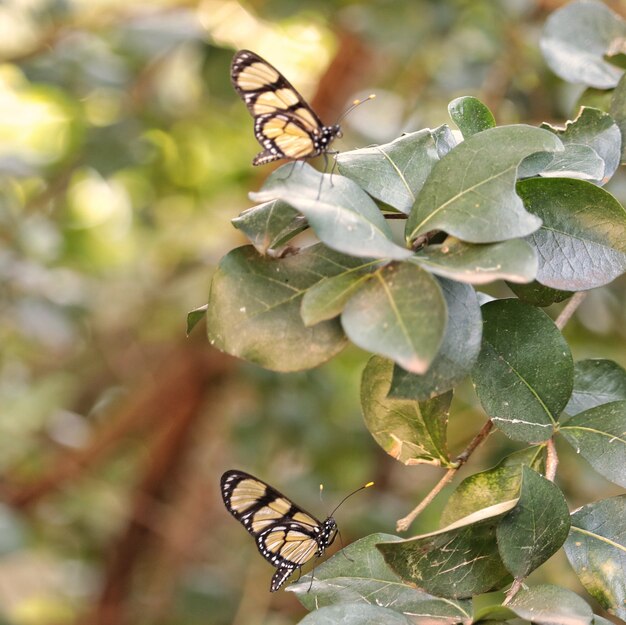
(395, 216)
(403, 524)
(513, 590)
(552, 460)
(566, 314)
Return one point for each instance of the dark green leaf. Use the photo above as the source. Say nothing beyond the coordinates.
(394, 172)
(328, 297)
(458, 561)
(496, 485)
(195, 316)
(524, 373)
(514, 260)
(618, 111)
(596, 382)
(400, 313)
(270, 225)
(365, 578)
(537, 294)
(582, 242)
(457, 353)
(551, 605)
(470, 115)
(471, 191)
(596, 549)
(597, 130)
(354, 614)
(254, 308)
(536, 528)
(575, 39)
(343, 216)
(599, 436)
(576, 161)
(411, 431)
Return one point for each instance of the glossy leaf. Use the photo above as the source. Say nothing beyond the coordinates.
(496, 485)
(471, 191)
(536, 528)
(596, 549)
(270, 225)
(394, 172)
(457, 353)
(576, 161)
(596, 382)
(524, 373)
(400, 313)
(514, 260)
(551, 605)
(354, 614)
(366, 579)
(458, 561)
(575, 39)
(470, 115)
(618, 112)
(343, 216)
(254, 308)
(328, 297)
(599, 436)
(597, 130)
(194, 317)
(538, 294)
(411, 431)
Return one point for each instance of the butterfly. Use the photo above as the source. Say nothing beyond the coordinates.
(286, 535)
(284, 124)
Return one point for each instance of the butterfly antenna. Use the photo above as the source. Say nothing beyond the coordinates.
(321, 491)
(350, 495)
(354, 104)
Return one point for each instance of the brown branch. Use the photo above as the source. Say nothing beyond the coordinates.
(566, 314)
(403, 524)
(552, 460)
(513, 590)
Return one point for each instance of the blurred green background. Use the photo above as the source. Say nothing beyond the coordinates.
(124, 154)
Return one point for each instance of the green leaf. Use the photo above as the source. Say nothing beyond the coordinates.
(471, 191)
(576, 161)
(195, 316)
(400, 313)
(598, 620)
(596, 549)
(411, 431)
(343, 216)
(595, 98)
(496, 485)
(596, 382)
(582, 242)
(354, 614)
(514, 260)
(458, 561)
(270, 225)
(618, 112)
(616, 53)
(328, 297)
(575, 39)
(524, 373)
(394, 172)
(537, 294)
(254, 308)
(470, 115)
(490, 606)
(366, 579)
(599, 436)
(536, 528)
(457, 353)
(551, 605)
(597, 130)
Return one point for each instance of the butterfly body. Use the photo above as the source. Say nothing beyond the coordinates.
(284, 124)
(286, 535)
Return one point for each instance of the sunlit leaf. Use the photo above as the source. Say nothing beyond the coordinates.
(470, 115)
(596, 549)
(536, 528)
(355, 614)
(343, 216)
(399, 313)
(575, 39)
(471, 191)
(551, 605)
(411, 431)
(524, 373)
(254, 308)
(599, 436)
(596, 382)
(576, 161)
(618, 112)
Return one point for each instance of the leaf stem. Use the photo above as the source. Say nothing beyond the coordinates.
(513, 590)
(566, 314)
(403, 524)
(552, 460)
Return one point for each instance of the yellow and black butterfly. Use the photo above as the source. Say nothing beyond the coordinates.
(286, 535)
(284, 124)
